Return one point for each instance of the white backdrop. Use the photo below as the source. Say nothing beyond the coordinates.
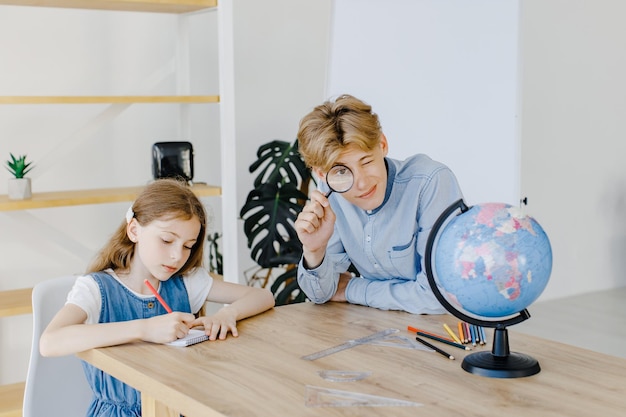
(443, 77)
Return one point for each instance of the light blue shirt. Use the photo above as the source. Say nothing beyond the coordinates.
(386, 245)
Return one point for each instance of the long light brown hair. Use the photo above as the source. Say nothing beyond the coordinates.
(163, 199)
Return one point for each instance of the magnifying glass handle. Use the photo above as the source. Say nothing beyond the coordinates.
(329, 193)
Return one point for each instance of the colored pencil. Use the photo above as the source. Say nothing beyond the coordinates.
(415, 330)
(435, 348)
(483, 337)
(473, 334)
(451, 333)
(446, 341)
(158, 296)
(466, 326)
(460, 327)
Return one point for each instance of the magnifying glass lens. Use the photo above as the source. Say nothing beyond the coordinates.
(340, 178)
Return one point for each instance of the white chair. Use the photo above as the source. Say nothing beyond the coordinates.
(55, 387)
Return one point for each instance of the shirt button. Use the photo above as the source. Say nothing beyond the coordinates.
(368, 238)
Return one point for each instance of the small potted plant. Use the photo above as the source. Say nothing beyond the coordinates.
(19, 187)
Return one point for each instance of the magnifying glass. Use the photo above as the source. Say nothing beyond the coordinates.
(339, 179)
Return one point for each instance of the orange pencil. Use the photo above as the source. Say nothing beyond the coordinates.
(460, 327)
(416, 330)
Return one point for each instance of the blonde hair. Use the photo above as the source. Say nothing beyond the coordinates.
(163, 199)
(332, 126)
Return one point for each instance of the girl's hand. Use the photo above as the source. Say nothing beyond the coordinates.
(219, 324)
(167, 327)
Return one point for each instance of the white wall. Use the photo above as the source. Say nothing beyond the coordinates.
(280, 66)
(573, 129)
(442, 76)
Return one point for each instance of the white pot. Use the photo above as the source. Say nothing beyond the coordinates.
(19, 188)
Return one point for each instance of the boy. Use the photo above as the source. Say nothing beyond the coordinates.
(380, 225)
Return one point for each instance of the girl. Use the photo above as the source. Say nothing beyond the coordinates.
(161, 241)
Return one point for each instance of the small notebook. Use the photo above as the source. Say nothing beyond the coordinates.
(194, 336)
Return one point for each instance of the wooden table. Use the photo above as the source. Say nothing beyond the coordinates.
(262, 372)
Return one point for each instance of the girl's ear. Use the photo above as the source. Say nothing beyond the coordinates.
(131, 230)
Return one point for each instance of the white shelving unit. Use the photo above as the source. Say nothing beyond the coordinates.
(16, 302)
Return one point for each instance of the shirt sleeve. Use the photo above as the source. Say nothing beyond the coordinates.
(320, 284)
(85, 293)
(198, 283)
(394, 294)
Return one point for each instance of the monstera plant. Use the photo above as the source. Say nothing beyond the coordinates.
(280, 192)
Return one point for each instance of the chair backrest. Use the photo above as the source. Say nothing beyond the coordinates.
(55, 387)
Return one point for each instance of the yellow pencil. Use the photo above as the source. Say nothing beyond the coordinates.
(451, 333)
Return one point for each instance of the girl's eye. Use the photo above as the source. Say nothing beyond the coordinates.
(166, 241)
(188, 248)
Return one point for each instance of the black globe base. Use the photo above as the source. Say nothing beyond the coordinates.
(514, 365)
(500, 362)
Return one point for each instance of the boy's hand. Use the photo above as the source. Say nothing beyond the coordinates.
(314, 227)
(340, 294)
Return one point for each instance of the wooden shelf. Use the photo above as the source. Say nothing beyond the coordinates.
(94, 196)
(15, 302)
(11, 399)
(106, 99)
(157, 6)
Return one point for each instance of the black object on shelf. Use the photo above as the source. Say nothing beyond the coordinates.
(172, 160)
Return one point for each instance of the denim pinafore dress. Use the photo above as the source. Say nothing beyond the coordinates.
(113, 398)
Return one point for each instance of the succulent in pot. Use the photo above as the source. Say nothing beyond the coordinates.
(19, 187)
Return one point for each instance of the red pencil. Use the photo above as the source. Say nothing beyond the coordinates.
(156, 294)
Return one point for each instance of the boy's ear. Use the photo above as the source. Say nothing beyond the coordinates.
(384, 146)
(319, 173)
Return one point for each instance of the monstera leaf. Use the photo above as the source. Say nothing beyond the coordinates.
(279, 162)
(269, 214)
(287, 289)
(280, 191)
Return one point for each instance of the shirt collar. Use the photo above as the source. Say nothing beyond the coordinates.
(391, 175)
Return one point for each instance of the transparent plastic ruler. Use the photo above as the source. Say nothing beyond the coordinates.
(343, 376)
(350, 344)
(400, 341)
(325, 397)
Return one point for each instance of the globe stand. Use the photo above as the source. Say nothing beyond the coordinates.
(500, 362)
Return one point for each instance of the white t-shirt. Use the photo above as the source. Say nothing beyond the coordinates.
(86, 293)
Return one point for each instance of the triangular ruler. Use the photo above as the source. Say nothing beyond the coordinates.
(350, 344)
(325, 397)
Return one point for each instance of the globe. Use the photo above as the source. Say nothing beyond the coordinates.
(493, 260)
(486, 265)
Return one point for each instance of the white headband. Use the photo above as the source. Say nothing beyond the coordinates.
(129, 214)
